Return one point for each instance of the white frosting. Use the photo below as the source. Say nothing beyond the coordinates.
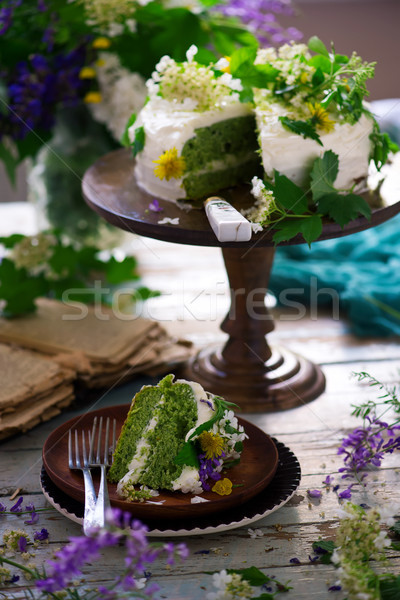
(292, 155)
(188, 481)
(166, 127)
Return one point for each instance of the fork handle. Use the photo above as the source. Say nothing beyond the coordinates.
(90, 502)
(103, 500)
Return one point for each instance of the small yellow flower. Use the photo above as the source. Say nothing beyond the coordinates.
(87, 73)
(320, 117)
(223, 487)
(227, 69)
(101, 43)
(212, 444)
(93, 98)
(170, 165)
(304, 77)
(100, 62)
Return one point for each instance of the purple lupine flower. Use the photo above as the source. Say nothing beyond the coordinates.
(314, 493)
(17, 508)
(259, 18)
(22, 543)
(41, 535)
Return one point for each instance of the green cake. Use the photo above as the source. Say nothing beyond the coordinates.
(176, 437)
(194, 136)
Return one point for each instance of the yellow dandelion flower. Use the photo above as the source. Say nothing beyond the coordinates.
(101, 43)
(223, 487)
(170, 165)
(320, 117)
(212, 444)
(93, 98)
(87, 73)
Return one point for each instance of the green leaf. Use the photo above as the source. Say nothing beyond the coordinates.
(304, 128)
(18, 290)
(389, 587)
(289, 195)
(323, 174)
(125, 141)
(187, 456)
(139, 140)
(326, 545)
(221, 406)
(321, 62)
(343, 209)
(9, 161)
(286, 230)
(242, 57)
(11, 240)
(316, 45)
(252, 575)
(311, 228)
(121, 271)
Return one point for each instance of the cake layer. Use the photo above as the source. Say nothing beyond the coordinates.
(199, 185)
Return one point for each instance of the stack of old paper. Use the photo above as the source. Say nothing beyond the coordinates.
(33, 389)
(103, 347)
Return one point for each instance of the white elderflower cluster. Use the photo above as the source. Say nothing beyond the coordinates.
(224, 429)
(192, 86)
(122, 93)
(33, 252)
(264, 204)
(229, 587)
(359, 540)
(110, 15)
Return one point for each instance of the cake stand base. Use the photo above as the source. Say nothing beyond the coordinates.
(284, 381)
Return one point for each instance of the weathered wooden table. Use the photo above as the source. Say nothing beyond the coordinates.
(194, 301)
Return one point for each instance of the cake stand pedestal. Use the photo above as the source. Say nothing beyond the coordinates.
(247, 371)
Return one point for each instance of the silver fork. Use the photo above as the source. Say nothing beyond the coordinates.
(103, 461)
(74, 462)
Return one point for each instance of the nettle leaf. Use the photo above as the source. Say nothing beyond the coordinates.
(311, 228)
(323, 175)
(138, 143)
(304, 128)
(316, 45)
(286, 230)
(187, 456)
(125, 141)
(343, 209)
(289, 195)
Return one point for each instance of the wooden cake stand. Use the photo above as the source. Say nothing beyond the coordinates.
(259, 378)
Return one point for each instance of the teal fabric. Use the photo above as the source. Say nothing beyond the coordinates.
(363, 268)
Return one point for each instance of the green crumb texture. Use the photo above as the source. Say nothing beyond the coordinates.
(236, 137)
(177, 416)
(204, 184)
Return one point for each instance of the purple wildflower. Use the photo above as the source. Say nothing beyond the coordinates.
(154, 206)
(30, 507)
(209, 469)
(259, 18)
(14, 579)
(17, 508)
(336, 487)
(314, 493)
(33, 520)
(22, 543)
(313, 559)
(41, 535)
(346, 494)
(3, 508)
(294, 561)
(328, 480)
(334, 588)
(207, 402)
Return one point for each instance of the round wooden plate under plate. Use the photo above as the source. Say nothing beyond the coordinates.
(257, 468)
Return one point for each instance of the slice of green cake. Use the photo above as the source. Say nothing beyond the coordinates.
(176, 437)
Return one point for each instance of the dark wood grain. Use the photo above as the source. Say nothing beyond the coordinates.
(255, 471)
